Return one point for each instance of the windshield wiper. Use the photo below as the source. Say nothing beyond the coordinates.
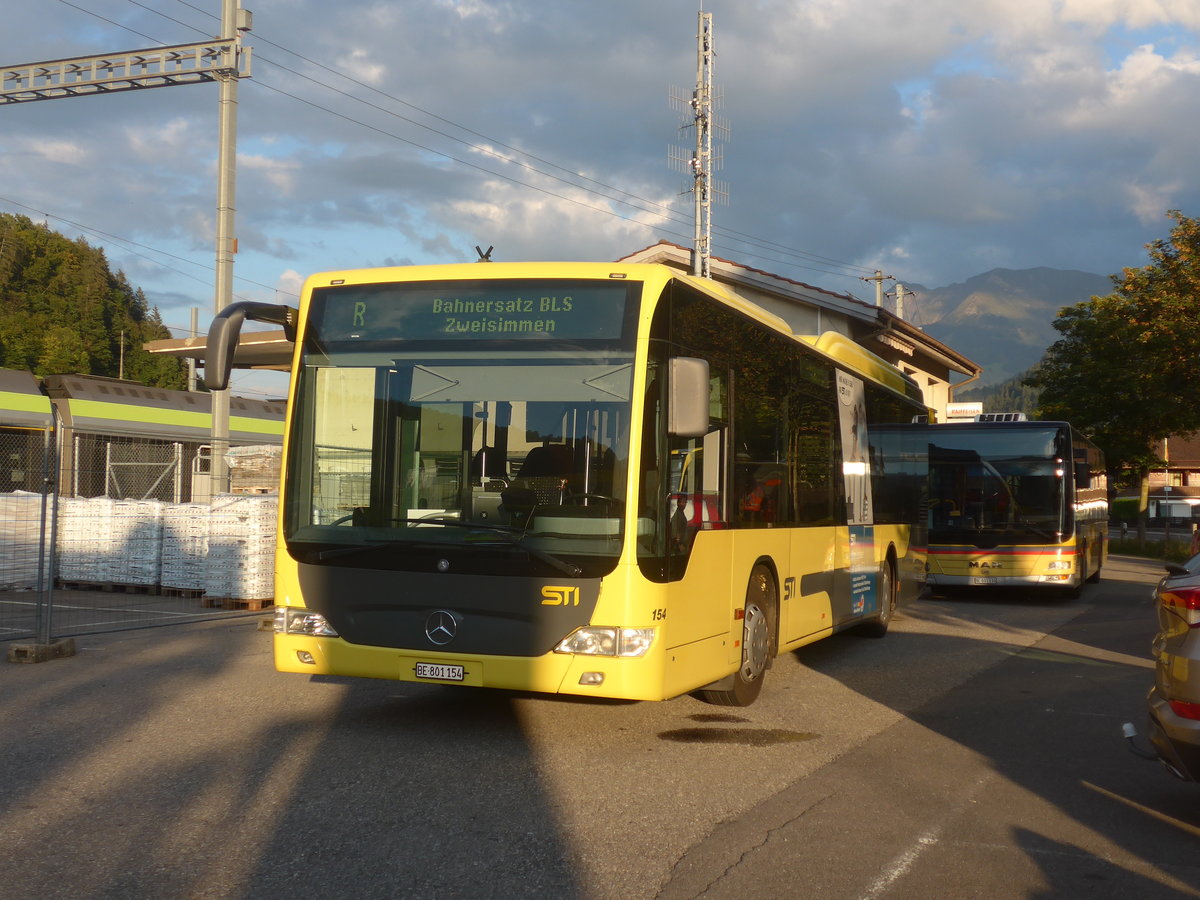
(1022, 522)
(390, 544)
(1051, 536)
(513, 537)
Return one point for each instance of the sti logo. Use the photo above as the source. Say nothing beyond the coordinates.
(975, 564)
(553, 595)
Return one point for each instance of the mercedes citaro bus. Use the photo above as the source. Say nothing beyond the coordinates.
(596, 479)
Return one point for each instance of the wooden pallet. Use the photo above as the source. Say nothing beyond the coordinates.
(238, 603)
(111, 587)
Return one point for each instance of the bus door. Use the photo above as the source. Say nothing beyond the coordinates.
(699, 546)
(815, 505)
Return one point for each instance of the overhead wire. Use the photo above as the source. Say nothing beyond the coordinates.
(91, 229)
(634, 199)
(800, 258)
(665, 208)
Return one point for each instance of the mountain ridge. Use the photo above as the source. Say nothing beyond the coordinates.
(1003, 319)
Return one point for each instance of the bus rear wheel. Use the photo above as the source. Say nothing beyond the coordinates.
(758, 639)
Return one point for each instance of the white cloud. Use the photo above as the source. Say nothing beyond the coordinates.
(1145, 70)
(56, 151)
(281, 174)
(175, 138)
(357, 64)
(1133, 13)
(525, 226)
(290, 282)
(472, 9)
(936, 137)
(1149, 202)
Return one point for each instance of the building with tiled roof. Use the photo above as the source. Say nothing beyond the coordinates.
(813, 310)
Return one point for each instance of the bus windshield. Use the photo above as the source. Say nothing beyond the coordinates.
(990, 482)
(504, 456)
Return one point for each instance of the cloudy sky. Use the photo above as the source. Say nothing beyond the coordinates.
(934, 140)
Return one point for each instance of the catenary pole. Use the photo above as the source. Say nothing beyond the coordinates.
(225, 240)
(223, 60)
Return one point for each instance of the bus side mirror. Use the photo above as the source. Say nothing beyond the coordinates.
(224, 331)
(687, 397)
(218, 353)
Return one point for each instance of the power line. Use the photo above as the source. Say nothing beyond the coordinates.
(662, 209)
(477, 147)
(797, 258)
(90, 229)
(666, 210)
(635, 199)
(111, 22)
(485, 150)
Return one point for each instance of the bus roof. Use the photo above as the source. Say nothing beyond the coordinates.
(837, 347)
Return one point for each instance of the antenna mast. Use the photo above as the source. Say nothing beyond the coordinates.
(702, 104)
(702, 162)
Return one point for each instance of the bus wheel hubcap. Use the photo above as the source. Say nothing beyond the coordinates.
(755, 636)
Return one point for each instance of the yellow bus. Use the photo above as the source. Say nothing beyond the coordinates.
(1015, 503)
(596, 479)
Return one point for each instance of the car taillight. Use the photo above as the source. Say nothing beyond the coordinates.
(1185, 602)
(1185, 710)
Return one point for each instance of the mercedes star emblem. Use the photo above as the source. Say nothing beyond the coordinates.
(441, 626)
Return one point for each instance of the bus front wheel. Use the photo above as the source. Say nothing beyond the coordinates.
(758, 639)
(888, 596)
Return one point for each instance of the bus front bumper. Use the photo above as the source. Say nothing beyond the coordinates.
(1068, 580)
(553, 673)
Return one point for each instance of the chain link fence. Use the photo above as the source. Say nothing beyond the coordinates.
(103, 533)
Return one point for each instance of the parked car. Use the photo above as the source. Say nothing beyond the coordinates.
(1174, 702)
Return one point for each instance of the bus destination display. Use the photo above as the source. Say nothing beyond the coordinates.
(493, 310)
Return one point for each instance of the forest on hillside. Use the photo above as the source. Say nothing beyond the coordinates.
(64, 311)
(1012, 395)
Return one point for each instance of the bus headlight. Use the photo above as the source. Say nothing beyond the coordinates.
(290, 620)
(607, 642)
(1058, 565)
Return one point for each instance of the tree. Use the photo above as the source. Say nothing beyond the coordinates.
(63, 350)
(1012, 395)
(1124, 370)
(63, 310)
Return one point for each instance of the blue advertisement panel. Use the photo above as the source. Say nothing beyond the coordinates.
(864, 576)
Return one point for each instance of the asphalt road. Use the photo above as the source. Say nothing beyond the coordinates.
(974, 752)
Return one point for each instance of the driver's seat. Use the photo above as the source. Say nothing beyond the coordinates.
(541, 479)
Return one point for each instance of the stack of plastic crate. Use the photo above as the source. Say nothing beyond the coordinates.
(134, 556)
(20, 536)
(241, 548)
(84, 525)
(184, 546)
